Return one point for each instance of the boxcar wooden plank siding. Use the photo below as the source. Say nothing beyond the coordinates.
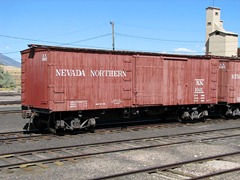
(69, 79)
(229, 81)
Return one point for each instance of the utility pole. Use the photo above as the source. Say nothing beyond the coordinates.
(113, 40)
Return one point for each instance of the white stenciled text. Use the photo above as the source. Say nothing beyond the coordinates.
(235, 76)
(70, 72)
(108, 73)
(92, 73)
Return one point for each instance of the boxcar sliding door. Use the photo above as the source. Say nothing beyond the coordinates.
(148, 80)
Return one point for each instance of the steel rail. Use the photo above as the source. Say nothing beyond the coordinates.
(13, 132)
(20, 138)
(10, 111)
(35, 162)
(3, 139)
(128, 140)
(169, 166)
(10, 94)
(9, 102)
(216, 174)
(18, 135)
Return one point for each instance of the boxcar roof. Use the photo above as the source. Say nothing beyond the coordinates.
(38, 47)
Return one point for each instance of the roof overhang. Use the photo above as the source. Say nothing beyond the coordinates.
(218, 32)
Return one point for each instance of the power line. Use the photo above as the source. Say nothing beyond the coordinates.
(164, 40)
(10, 52)
(104, 35)
(156, 39)
(57, 43)
(100, 36)
(52, 42)
(27, 39)
(96, 37)
(155, 28)
(73, 32)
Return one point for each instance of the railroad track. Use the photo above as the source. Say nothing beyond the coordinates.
(59, 155)
(22, 136)
(10, 94)
(10, 112)
(9, 102)
(173, 168)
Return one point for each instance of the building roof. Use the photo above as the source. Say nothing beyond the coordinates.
(212, 8)
(224, 33)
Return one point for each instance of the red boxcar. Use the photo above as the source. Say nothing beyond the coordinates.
(59, 82)
(229, 85)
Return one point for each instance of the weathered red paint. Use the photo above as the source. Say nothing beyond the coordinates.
(229, 81)
(69, 79)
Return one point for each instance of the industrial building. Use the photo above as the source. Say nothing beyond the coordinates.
(219, 42)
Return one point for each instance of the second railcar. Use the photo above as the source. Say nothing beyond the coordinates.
(73, 88)
(229, 86)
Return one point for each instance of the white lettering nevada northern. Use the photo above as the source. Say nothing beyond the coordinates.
(96, 73)
(70, 72)
(108, 73)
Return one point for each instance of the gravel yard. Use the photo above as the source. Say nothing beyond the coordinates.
(103, 165)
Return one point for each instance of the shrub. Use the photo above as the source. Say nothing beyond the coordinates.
(6, 80)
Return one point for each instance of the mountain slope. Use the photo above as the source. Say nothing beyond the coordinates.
(7, 61)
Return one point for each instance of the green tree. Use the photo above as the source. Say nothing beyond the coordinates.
(6, 80)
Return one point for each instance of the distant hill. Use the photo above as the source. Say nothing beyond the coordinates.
(7, 61)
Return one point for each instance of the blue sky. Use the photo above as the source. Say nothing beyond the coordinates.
(169, 26)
